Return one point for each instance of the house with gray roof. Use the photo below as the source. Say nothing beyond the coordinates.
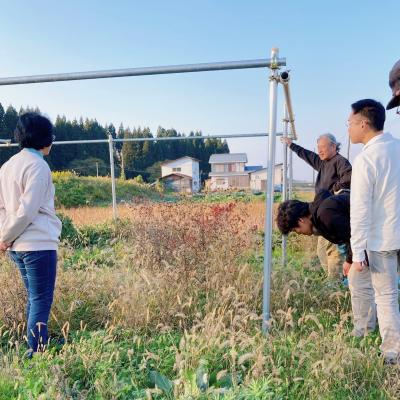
(229, 171)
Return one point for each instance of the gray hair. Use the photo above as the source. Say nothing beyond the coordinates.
(331, 139)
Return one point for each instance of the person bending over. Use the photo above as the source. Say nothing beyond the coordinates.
(329, 216)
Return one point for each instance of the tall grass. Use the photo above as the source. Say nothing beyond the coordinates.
(166, 304)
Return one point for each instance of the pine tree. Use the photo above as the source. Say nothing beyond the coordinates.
(2, 128)
(10, 121)
(128, 154)
(147, 149)
(132, 158)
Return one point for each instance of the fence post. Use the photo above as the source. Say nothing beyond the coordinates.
(290, 175)
(114, 197)
(285, 179)
(273, 94)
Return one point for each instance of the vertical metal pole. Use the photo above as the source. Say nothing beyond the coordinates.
(285, 179)
(273, 94)
(348, 148)
(114, 197)
(97, 169)
(313, 173)
(290, 175)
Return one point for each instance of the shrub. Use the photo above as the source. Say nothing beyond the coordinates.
(75, 191)
(68, 232)
(138, 179)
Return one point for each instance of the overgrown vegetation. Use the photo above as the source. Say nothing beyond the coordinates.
(166, 304)
(229, 196)
(74, 191)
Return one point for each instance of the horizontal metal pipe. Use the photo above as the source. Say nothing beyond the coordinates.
(169, 69)
(81, 141)
(160, 139)
(8, 144)
(155, 139)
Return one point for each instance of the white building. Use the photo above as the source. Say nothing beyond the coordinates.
(228, 171)
(258, 178)
(182, 174)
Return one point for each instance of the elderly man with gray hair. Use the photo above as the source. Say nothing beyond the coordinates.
(334, 175)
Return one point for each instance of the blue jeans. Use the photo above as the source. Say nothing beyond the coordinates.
(38, 271)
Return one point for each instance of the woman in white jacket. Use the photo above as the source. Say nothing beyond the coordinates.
(29, 227)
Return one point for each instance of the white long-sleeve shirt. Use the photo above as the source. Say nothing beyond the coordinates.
(27, 215)
(375, 197)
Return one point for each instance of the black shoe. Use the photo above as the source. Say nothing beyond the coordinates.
(391, 360)
(28, 354)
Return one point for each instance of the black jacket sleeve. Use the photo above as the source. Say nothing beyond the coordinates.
(308, 156)
(344, 174)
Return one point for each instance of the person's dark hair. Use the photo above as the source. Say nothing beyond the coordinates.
(33, 131)
(373, 111)
(289, 213)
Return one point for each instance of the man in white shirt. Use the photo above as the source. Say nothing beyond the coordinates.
(375, 222)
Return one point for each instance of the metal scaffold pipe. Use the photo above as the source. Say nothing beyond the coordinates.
(273, 95)
(7, 142)
(285, 179)
(169, 69)
(284, 80)
(112, 170)
(290, 188)
(166, 138)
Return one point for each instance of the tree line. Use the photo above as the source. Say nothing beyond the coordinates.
(131, 158)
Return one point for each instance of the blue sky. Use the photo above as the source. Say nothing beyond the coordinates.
(337, 51)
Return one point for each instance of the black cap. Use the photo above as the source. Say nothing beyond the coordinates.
(394, 83)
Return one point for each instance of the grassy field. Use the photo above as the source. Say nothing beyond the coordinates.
(80, 191)
(166, 303)
(77, 191)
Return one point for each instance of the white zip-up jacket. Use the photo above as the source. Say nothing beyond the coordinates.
(27, 215)
(375, 197)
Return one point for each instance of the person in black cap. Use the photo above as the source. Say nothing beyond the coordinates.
(394, 83)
